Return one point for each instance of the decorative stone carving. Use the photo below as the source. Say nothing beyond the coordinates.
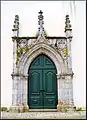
(26, 49)
(22, 43)
(41, 33)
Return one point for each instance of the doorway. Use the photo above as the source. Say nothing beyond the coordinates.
(42, 84)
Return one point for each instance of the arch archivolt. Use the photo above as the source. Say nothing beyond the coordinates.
(41, 48)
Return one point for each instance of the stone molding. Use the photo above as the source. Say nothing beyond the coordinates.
(38, 49)
(19, 74)
(63, 75)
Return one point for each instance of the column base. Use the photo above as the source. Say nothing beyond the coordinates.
(65, 107)
(19, 109)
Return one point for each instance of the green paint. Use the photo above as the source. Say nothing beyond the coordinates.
(42, 84)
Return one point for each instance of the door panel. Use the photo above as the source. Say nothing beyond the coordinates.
(42, 84)
(50, 88)
(37, 63)
(47, 63)
(35, 84)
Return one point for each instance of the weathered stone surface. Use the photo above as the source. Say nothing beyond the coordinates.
(44, 115)
(57, 49)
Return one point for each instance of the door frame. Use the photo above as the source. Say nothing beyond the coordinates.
(30, 55)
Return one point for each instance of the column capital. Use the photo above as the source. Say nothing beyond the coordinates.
(63, 75)
(19, 75)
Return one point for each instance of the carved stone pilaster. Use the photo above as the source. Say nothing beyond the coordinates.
(19, 92)
(65, 91)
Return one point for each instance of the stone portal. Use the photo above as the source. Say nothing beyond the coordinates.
(25, 51)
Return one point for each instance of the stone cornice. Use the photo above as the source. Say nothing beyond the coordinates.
(47, 37)
(55, 37)
(24, 38)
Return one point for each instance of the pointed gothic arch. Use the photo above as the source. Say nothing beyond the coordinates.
(38, 49)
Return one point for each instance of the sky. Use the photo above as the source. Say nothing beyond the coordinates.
(54, 23)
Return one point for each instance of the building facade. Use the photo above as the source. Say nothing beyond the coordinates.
(42, 75)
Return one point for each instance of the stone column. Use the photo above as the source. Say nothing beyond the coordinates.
(69, 89)
(60, 84)
(19, 93)
(16, 93)
(14, 55)
(65, 92)
(25, 91)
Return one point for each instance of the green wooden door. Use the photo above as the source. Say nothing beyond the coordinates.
(42, 84)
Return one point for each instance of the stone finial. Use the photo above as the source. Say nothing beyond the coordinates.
(67, 24)
(16, 26)
(41, 22)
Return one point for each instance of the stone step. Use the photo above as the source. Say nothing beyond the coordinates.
(43, 110)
